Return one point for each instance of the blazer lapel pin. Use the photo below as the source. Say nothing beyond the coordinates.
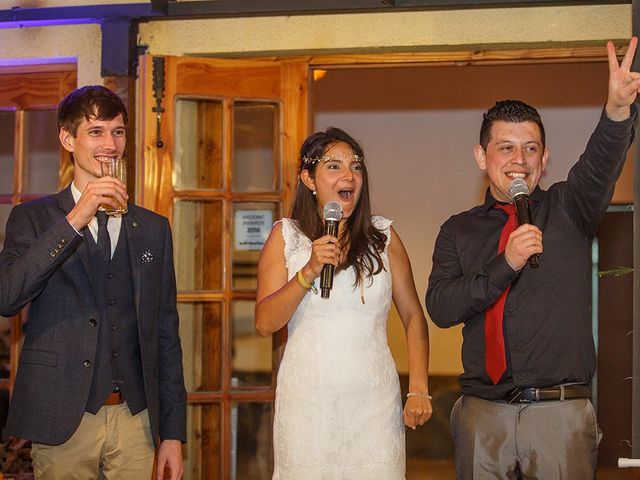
(147, 257)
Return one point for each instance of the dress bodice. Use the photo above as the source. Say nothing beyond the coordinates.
(352, 314)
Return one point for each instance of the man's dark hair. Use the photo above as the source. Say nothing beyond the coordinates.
(513, 111)
(92, 101)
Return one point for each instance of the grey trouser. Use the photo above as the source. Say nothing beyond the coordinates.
(544, 440)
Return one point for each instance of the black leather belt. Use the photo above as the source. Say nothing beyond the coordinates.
(558, 393)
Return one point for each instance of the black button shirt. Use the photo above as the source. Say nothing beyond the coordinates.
(547, 318)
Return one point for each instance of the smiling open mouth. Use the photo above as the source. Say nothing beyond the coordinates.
(345, 194)
(513, 175)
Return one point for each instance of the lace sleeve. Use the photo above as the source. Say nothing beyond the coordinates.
(294, 239)
(384, 225)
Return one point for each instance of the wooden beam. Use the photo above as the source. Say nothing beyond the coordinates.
(119, 48)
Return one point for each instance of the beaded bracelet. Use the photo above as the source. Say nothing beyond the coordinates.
(306, 285)
(423, 395)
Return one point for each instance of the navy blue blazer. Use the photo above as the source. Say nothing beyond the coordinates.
(45, 265)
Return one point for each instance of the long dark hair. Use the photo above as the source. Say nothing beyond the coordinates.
(366, 241)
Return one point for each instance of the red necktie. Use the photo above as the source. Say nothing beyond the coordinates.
(495, 362)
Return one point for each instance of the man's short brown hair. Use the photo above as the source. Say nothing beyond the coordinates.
(90, 102)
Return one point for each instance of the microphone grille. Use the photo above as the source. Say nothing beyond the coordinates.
(332, 211)
(518, 187)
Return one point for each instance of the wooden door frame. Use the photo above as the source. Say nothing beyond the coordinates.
(449, 58)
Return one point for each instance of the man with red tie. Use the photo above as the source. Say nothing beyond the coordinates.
(528, 351)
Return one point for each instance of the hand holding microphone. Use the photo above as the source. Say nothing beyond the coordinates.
(519, 191)
(332, 215)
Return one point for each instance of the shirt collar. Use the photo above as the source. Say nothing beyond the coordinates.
(489, 201)
(75, 192)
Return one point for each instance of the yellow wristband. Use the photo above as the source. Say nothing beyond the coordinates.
(304, 283)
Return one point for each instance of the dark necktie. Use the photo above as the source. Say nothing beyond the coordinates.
(495, 362)
(104, 242)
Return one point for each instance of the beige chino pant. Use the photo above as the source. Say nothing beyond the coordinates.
(555, 440)
(111, 445)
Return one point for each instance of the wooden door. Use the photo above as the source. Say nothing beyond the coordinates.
(218, 157)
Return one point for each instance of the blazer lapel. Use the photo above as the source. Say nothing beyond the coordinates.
(66, 203)
(65, 199)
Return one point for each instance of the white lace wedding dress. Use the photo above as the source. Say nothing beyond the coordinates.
(338, 412)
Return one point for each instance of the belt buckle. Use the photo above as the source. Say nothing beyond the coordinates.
(522, 395)
(513, 396)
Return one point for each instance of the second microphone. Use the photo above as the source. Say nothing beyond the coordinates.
(519, 191)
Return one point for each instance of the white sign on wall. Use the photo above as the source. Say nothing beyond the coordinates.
(252, 228)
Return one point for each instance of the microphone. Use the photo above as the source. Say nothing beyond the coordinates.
(332, 215)
(519, 191)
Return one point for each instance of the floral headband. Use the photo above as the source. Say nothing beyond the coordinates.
(308, 161)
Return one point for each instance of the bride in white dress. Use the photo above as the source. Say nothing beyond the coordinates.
(338, 412)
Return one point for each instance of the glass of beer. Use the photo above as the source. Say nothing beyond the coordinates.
(117, 168)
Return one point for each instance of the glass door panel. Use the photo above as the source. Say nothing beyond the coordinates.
(7, 151)
(201, 338)
(42, 151)
(252, 356)
(252, 454)
(252, 222)
(202, 452)
(198, 146)
(256, 146)
(198, 252)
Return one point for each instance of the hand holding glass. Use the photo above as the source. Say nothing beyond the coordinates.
(117, 168)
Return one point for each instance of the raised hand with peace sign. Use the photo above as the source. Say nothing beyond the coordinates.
(624, 84)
